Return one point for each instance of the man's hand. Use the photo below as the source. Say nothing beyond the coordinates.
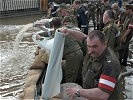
(38, 37)
(71, 92)
(64, 30)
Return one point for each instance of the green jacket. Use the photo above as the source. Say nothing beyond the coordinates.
(96, 69)
(112, 33)
(127, 21)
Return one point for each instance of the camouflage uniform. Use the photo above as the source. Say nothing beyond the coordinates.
(112, 33)
(124, 47)
(98, 5)
(122, 18)
(72, 55)
(94, 70)
(91, 10)
(70, 10)
(116, 11)
(103, 8)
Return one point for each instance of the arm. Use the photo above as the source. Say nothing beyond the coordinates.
(123, 38)
(127, 31)
(90, 94)
(74, 33)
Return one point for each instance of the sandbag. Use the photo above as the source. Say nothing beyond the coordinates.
(30, 84)
(34, 72)
(38, 64)
(31, 80)
(63, 94)
(45, 57)
(29, 93)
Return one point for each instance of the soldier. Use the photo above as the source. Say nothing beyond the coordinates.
(105, 6)
(121, 20)
(52, 10)
(126, 35)
(65, 11)
(116, 11)
(101, 68)
(120, 3)
(81, 16)
(111, 31)
(72, 54)
(98, 12)
(91, 10)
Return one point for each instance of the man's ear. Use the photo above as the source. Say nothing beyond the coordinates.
(105, 43)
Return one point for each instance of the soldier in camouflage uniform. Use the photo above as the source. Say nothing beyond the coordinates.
(101, 68)
(111, 31)
(91, 11)
(98, 12)
(72, 54)
(126, 35)
(52, 10)
(121, 20)
(116, 11)
(64, 10)
(105, 6)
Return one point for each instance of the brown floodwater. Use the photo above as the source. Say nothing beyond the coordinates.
(17, 56)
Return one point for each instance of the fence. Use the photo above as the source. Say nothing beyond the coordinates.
(10, 7)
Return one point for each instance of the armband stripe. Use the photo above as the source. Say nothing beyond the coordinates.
(130, 26)
(107, 82)
(103, 86)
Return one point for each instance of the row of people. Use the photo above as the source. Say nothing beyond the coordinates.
(99, 70)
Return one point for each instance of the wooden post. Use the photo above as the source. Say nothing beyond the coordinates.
(43, 5)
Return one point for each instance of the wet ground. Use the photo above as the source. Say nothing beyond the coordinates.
(16, 58)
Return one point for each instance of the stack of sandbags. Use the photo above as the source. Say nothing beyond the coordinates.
(41, 59)
(35, 70)
(30, 84)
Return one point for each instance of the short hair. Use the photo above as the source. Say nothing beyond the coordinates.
(129, 6)
(110, 14)
(56, 22)
(114, 5)
(67, 19)
(98, 34)
(50, 3)
(77, 1)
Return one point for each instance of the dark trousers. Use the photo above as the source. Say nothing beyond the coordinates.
(123, 55)
(85, 30)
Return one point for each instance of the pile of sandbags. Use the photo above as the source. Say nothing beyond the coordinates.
(30, 84)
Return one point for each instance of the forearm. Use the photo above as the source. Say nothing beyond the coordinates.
(77, 35)
(127, 32)
(94, 94)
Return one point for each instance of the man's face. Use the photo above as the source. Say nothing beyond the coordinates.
(95, 47)
(63, 12)
(127, 11)
(104, 17)
(75, 6)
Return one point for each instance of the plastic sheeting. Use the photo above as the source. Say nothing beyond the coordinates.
(51, 86)
(46, 43)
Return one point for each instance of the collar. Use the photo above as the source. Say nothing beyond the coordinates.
(101, 56)
(112, 21)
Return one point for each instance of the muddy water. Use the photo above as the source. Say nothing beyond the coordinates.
(14, 63)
